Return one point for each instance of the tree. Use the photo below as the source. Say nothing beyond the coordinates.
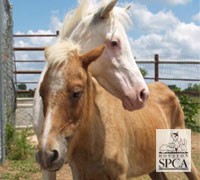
(21, 86)
(144, 72)
(193, 87)
(173, 87)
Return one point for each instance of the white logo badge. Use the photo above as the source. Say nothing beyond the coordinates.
(173, 150)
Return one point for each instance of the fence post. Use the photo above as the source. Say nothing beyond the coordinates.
(156, 58)
(57, 33)
(2, 113)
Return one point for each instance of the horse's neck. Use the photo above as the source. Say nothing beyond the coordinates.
(91, 110)
(91, 127)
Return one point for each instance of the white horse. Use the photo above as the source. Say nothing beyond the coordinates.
(90, 25)
(94, 24)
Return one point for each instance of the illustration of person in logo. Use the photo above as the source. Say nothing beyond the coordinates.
(175, 145)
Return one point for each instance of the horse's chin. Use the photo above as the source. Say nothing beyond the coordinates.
(55, 167)
(53, 170)
(127, 106)
(130, 106)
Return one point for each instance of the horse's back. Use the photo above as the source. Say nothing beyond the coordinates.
(167, 100)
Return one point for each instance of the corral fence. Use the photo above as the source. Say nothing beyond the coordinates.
(178, 73)
(7, 76)
(157, 70)
(25, 96)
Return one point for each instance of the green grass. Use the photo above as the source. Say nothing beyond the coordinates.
(20, 169)
(20, 163)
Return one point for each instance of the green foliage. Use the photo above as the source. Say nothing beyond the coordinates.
(17, 146)
(9, 114)
(190, 110)
(24, 95)
(144, 72)
(30, 93)
(21, 86)
(21, 162)
(193, 87)
(10, 134)
(173, 87)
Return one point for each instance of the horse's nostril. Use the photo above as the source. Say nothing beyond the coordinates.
(143, 95)
(54, 156)
(48, 158)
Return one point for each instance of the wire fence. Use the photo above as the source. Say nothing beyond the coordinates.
(173, 72)
(7, 76)
(179, 72)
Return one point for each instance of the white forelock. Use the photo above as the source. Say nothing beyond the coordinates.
(60, 51)
(89, 7)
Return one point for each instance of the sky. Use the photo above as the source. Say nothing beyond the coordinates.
(170, 28)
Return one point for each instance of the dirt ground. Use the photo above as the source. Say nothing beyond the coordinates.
(65, 172)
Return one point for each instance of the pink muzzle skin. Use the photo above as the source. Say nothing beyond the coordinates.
(133, 101)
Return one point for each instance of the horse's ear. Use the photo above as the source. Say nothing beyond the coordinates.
(92, 55)
(107, 9)
(128, 7)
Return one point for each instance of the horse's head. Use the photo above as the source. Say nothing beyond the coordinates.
(116, 69)
(66, 101)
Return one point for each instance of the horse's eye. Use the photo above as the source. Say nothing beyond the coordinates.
(114, 43)
(77, 94)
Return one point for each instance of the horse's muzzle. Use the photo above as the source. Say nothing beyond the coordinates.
(50, 160)
(135, 100)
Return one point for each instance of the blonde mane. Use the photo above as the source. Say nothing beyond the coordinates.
(60, 51)
(89, 7)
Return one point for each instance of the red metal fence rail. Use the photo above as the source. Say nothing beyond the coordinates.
(30, 61)
(156, 63)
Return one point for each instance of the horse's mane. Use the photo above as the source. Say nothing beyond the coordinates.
(89, 7)
(60, 51)
(63, 48)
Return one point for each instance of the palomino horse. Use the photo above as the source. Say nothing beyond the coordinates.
(93, 24)
(87, 127)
